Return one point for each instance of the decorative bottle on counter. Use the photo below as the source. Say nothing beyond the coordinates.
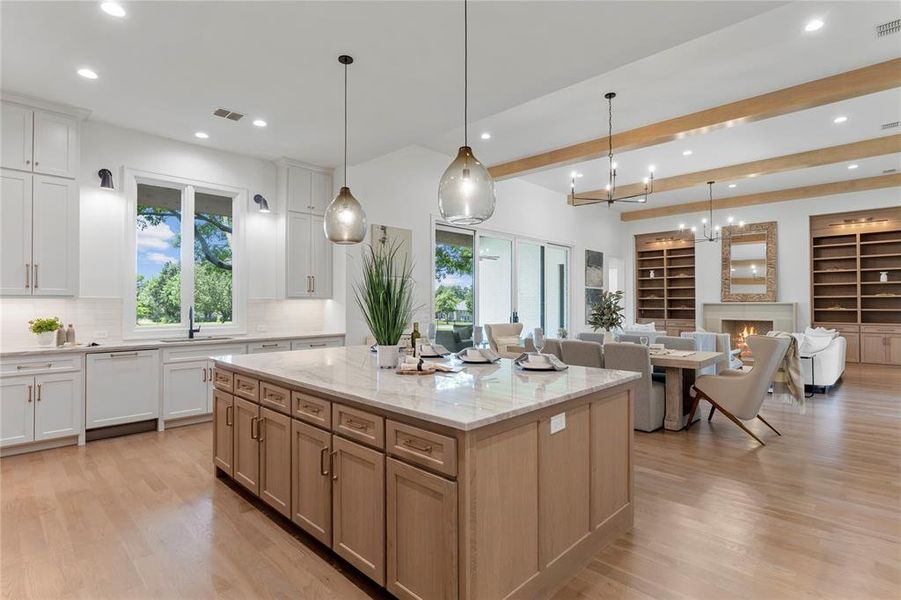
(60, 336)
(70, 335)
(414, 337)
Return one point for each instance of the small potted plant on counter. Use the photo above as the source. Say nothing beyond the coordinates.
(45, 328)
(385, 297)
(607, 313)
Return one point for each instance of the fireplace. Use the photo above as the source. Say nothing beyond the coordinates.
(740, 329)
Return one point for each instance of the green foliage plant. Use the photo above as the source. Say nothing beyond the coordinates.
(607, 311)
(384, 293)
(44, 324)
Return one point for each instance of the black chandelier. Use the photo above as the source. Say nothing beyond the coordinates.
(711, 232)
(640, 197)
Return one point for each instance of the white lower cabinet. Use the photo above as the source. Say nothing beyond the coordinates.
(122, 387)
(186, 389)
(41, 407)
(309, 344)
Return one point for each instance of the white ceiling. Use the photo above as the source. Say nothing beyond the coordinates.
(167, 65)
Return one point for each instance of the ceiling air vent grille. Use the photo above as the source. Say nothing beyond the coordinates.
(888, 28)
(892, 125)
(888, 171)
(228, 114)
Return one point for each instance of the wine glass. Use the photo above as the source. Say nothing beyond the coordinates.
(477, 336)
(644, 340)
(538, 339)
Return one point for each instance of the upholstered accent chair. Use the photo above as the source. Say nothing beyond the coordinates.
(501, 335)
(649, 404)
(740, 394)
(550, 347)
(583, 354)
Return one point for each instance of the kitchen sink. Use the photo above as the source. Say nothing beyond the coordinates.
(209, 338)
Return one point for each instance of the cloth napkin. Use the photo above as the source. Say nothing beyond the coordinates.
(436, 349)
(555, 362)
(417, 364)
(487, 353)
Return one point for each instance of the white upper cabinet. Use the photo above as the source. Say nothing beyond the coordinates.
(299, 189)
(15, 232)
(16, 138)
(320, 261)
(308, 262)
(54, 236)
(38, 141)
(297, 260)
(55, 144)
(320, 192)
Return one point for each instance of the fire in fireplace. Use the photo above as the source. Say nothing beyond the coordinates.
(740, 329)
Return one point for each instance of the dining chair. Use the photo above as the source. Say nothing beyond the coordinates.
(583, 354)
(550, 347)
(501, 335)
(591, 337)
(740, 394)
(649, 404)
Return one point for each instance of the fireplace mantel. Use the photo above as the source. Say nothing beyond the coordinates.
(782, 314)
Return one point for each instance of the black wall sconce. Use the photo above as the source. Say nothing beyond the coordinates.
(264, 206)
(106, 179)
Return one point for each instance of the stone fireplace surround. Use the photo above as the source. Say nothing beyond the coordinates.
(782, 315)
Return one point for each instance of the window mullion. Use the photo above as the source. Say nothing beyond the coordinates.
(187, 252)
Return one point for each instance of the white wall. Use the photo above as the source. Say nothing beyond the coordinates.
(792, 241)
(401, 190)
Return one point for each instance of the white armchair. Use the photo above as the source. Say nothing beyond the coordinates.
(822, 357)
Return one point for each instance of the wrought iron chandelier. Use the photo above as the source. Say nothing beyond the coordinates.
(710, 231)
(640, 197)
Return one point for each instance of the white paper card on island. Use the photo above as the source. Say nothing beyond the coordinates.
(558, 423)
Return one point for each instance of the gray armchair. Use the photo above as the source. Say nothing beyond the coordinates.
(650, 396)
(583, 354)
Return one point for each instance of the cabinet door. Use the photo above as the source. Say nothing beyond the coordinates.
(275, 460)
(122, 387)
(16, 410)
(358, 507)
(246, 444)
(852, 347)
(55, 243)
(297, 277)
(15, 231)
(299, 189)
(422, 533)
(311, 486)
(58, 408)
(872, 348)
(15, 137)
(893, 349)
(223, 431)
(320, 260)
(185, 389)
(55, 144)
(320, 192)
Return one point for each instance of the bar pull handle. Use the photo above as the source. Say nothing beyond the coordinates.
(414, 446)
(260, 422)
(334, 467)
(356, 425)
(29, 393)
(39, 392)
(204, 374)
(229, 415)
(35, 272)
(323, 470)
(253, 421)
(313, 277)
(124, 355)
(40, 366)
(27, 275)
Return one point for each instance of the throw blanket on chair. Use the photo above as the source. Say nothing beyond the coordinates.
(791, 367)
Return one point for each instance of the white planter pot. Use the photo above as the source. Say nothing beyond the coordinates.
(387, 356)
(46, 338)
(609, 336)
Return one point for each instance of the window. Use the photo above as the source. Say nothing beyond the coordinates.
(183, 263)
(454, 286)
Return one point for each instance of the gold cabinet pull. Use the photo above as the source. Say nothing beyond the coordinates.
(124, 355)
(27, 275)
(323, 470)
(39, 392)
(35, 271)
(334, 467)
(253, 421)
(204, 374)
(40, 366)
(260, 437)
(313, 408)
(356, 425)
(229, 418)
(414, 446)
(29, 393)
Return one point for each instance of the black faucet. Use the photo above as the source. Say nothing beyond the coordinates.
(191, 330)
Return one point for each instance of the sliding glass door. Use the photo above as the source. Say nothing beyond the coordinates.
(542, 286)
(495, 279)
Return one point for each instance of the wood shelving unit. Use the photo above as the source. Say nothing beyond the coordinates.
(667, 298)
(848, 252)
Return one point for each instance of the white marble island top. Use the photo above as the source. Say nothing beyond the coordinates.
(477, 396)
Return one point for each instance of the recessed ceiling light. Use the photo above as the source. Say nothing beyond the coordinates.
(486, 136)
(813, 25)
(840, 119)
(853, 166)
(202, 135)
(651, 168)
(732, 185)
(575, 174)
(87, 73)
(687, 153)
(753, 175)
(113, 8)
(259, 122)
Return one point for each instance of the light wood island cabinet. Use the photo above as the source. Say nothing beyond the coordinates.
(512, 507)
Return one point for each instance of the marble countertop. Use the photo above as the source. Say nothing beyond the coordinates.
(121, 345)
(477, 396)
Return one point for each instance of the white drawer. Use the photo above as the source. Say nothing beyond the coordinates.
(260, 347)
(34, 365)
(306, 344)
(189, 353)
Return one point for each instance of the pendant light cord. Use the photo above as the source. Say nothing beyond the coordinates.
(345, 125)
(465, 73)
(611, 180)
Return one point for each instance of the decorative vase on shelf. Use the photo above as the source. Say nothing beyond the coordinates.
(652, 274)
(883, 276)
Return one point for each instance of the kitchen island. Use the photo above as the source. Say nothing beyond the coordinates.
(488, 483)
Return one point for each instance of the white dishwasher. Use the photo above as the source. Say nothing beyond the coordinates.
(122, 387)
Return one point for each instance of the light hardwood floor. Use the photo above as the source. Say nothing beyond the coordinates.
(816, 513)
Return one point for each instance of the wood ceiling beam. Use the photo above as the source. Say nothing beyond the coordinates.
(851, 84)
(880, 146)
(807, 191)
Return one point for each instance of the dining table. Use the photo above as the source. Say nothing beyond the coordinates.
(680, 375)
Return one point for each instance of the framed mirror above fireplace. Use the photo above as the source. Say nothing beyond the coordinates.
(749, 263)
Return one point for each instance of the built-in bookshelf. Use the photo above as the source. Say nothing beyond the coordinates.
(665, 280)
(855, 266)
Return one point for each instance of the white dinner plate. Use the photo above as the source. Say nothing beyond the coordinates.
(475, 361)
(533, 367)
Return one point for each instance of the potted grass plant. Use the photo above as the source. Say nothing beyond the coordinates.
(607, 313)
(44, 328)
(385, 297)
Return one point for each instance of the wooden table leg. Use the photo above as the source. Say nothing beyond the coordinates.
(674, 420)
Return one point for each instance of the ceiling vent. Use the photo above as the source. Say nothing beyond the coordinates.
(228, 114)
(889, 171)
(888, 28)
(892, 125)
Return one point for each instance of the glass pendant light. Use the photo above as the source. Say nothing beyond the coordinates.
(345, 221)
(466, 191)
